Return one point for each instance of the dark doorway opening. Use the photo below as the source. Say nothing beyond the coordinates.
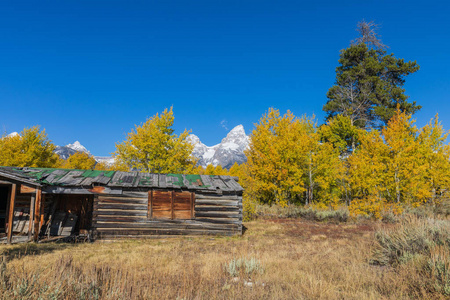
(69, 215)
(4, 193)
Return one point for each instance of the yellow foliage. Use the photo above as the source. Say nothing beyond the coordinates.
(81, 161)
(248, 208)
(405, 161)
(341, 133)
(199, 170)
(235, 170)
(31, 148)
(272, 164)
(118, 166)
(287, 162)
(290, 160)
(218, 170)
(102, 166)
(374, 207)
(153, 147)
(436, 155)
(209, 170)
(393, 165)
(367, 166)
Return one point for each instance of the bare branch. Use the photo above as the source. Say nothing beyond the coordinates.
(368, 35)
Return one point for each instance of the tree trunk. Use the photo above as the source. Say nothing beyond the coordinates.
(310, 182)
(397, 186)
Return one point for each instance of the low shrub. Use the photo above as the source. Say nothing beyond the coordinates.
(412, 236)
(308, 213)
(420, 244)
(243, 266)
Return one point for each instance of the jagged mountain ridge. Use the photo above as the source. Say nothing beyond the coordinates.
(226, 153)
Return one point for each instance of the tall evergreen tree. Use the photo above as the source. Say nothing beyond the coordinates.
(369, 82)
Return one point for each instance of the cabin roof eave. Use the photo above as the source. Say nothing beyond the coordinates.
(18, 179)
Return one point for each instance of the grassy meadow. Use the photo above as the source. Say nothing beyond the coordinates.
(276, 258)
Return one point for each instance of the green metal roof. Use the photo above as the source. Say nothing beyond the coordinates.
(73, 177)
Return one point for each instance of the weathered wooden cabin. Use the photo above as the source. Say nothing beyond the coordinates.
(45, 204)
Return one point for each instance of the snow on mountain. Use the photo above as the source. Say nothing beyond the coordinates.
(13, 134)
(230, 150)
(109, 160)
(201, 151)
(77, 147)
(65, 151)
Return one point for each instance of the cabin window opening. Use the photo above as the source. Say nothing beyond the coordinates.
(171, 205)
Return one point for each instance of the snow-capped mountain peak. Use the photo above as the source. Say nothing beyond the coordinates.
(229, 151)
(237, 130)
(237, 135)
(77, 147)
(65, 151)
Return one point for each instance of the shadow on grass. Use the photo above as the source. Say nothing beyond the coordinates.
(20, 250)
(244, 229)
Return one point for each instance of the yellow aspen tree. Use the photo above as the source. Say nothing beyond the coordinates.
(118, 166)
(218, 170)
(368, 175)
(329, 174)
(436, 153)
(286, 162)
(31, 148)
(274, 159)
(235, 170)
(340, 132)
(103, 166)
(81, 161)
(367, 166)
(291, 146)
(261, 182)
(199, 170)
(405, 166)
(210, 170)
(153, 147)
(322, 166)
(344, 136)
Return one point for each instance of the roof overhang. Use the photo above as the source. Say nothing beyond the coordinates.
(17, 179)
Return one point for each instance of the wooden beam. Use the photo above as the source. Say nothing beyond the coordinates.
(150, 204)
(41, 223)
(12, 200)
(82, 191)
(171, 204)
(30, 224)
(192, 205)
(25, 189)
(37, 213)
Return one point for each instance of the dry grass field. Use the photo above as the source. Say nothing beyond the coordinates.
(281, 259)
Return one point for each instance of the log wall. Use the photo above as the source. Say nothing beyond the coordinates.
(127, 215)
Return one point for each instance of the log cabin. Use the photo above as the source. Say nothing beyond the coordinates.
(38, 204)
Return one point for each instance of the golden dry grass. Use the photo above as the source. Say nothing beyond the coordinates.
(301, 260)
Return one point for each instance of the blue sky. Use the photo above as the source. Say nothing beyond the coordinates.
(90, 70)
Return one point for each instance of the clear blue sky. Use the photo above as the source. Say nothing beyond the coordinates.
(90, 70)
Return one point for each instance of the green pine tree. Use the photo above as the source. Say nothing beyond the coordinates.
(369, 82)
